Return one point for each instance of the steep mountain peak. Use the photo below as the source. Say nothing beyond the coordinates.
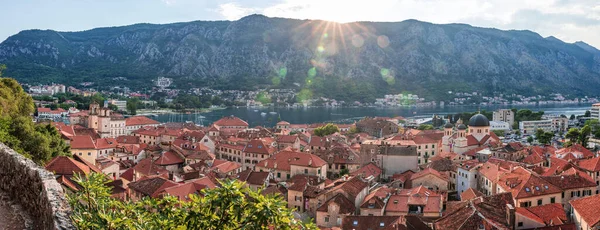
(587, 47)
(353, 61)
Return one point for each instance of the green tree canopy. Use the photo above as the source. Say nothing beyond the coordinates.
(425, 127)
(40, 142)
(573, 135)
(326, 130)
(231, 206)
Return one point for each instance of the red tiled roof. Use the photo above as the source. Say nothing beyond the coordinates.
(224, 166)
(373, 222)
(428, 171)
(231, 121)
(254, 178)
(82, 142)
(287, 138)
(106, 143)
(259, 147)
(368, 170)
(345, 206)
(587, 208)
(284, 159)
(151, 186)
(487, 211)
(470, 193)
(140, 120)
(592, 164)
(569, 181)
(128, 140)
(147, 167)
(422, 196)
(544, 214)
(574, 152)
(522, 183)
(169, 158)
(62, 165)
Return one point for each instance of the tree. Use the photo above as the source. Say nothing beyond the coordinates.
(132, 105)
(530, 139)
(572, 117)
(584, 135)
(326, 130)
(587, 113)
(499, 133)
(40, 142)
(573, 135)
(353, 130)
(231, 206)
(425, 127)
(545, 137)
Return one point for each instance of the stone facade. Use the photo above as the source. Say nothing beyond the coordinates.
(35, 190)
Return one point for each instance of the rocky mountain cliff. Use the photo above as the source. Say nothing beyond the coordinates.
(355, 61)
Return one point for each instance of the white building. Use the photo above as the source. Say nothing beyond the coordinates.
(500, 125)
(529, 127)
(121, 105)
(595, 111)
(505, 115)
(466, 176)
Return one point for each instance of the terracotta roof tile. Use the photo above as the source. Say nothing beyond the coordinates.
(373, 222)
(587, 207)
(345, 205)
(284, 159)
(230, 121)
(169, 158)
(140, 120)
(82, 142)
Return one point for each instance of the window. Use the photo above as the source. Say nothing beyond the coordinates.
(319, 171)
(355, 222)
(278, 175)
(305, 171)
(326, 219)
(552, 200)
(89, 153)
(520, 224)
(539, 202)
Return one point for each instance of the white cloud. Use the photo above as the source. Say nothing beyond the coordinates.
(569, 20)
(233, 11)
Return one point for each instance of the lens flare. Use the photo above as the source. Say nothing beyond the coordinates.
(312, 72)
(383, 41)
(320, 49)
(357, 41)
(387, 76)
(282, 72)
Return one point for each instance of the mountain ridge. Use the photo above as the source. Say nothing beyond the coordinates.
(354, 61)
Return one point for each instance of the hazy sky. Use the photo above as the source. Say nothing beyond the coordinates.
(568, 20)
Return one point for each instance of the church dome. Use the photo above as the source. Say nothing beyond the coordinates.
(448, 125)
(461, 127)
(479, 120)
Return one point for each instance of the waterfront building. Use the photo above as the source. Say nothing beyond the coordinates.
(505, 115)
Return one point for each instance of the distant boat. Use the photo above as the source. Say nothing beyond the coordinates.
(263, 114)
(256, 110)
(273, 112)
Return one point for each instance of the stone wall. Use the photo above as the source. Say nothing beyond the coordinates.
(35, 189)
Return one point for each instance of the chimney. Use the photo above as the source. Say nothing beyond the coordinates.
(510, 215)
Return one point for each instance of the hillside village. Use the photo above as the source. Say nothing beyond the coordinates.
(374, 174)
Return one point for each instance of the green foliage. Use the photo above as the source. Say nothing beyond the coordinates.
(132, 105)
(326, 130)
(572, 117)
(40, 142)
(231, 206)
(188, 101)
(425, 127)
(263, 98)
(499, 133)
(573, 135)
(584, 135)
(587, 113)
(353, 130)
(344, 171)
(530, 139)
(543, 137)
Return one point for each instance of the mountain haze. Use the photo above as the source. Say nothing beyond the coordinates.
(350, 61)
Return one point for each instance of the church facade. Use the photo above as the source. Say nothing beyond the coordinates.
(462, 138)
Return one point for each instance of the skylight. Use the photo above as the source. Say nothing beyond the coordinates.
(527, 190)
(537, 188)
(546, 186)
